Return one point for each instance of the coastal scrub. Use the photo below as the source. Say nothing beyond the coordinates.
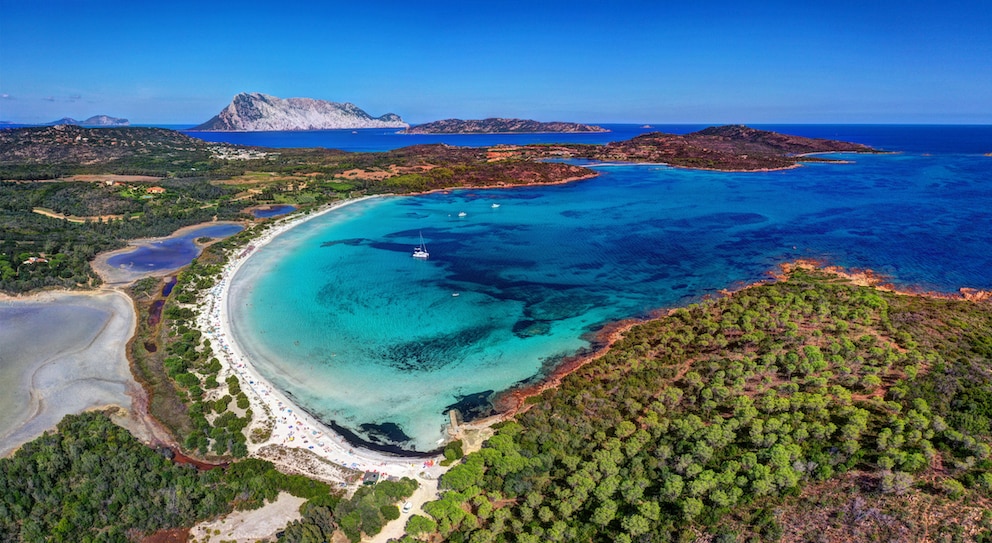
(709, 419)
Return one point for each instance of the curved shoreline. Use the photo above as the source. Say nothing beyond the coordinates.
(513, 401)
(291, 426)
(88, 372)
(592, 175)
(507, 402)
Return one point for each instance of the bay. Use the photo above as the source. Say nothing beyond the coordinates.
(338, 314)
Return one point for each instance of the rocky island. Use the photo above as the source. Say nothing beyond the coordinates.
(816, 406)
(96, 120)
(724, 148)
(499, 126)
(257, 112)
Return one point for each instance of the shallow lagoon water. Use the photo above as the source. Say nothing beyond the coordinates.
(337, 313)
(170, 253)
(272, 211)
(61, 353)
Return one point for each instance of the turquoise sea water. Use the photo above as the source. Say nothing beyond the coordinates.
(337, 313)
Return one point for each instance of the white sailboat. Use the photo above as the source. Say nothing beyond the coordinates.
(420, 251)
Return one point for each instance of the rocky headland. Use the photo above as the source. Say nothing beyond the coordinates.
(500, 126)
(257, 112)
(724, 148)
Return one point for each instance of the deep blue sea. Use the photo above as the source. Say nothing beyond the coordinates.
(906, 138)
(337, 313)
(942, 139)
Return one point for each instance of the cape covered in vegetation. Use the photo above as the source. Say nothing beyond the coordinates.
(809, 409)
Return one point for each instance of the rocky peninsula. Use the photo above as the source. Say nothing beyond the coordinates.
(500, 126)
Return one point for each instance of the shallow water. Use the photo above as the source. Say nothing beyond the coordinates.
(337, 313)
(171, 253)
(272, 211)
(60, 353)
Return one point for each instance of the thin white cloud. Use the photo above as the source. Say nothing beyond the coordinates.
(6, 96)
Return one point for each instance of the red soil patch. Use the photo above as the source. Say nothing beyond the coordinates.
(175, 535)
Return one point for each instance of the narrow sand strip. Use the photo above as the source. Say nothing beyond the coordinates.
(291, 426)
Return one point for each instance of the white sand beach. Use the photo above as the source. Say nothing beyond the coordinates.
(291, 426)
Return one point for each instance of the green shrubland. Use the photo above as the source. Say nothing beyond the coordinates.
(728, 407)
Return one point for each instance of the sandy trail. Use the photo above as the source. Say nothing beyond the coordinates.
(250, 526)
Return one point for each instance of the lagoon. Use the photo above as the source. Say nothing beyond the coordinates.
(271, 211)
(159, 256)
(338, 314)
(61, 353)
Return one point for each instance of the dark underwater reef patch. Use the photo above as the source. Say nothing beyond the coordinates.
(435, 352)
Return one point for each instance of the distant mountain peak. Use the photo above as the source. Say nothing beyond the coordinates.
(256, 112)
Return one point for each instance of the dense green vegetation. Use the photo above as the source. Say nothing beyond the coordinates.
(703, 421)
(92, 481)
(70, 246)
(202, 181)
(205, 411)
(366, 512)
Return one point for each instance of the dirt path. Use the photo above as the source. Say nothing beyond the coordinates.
(73, 218)
(426, 492)
(250, 526)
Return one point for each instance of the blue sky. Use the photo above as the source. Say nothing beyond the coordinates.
(606, 61)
